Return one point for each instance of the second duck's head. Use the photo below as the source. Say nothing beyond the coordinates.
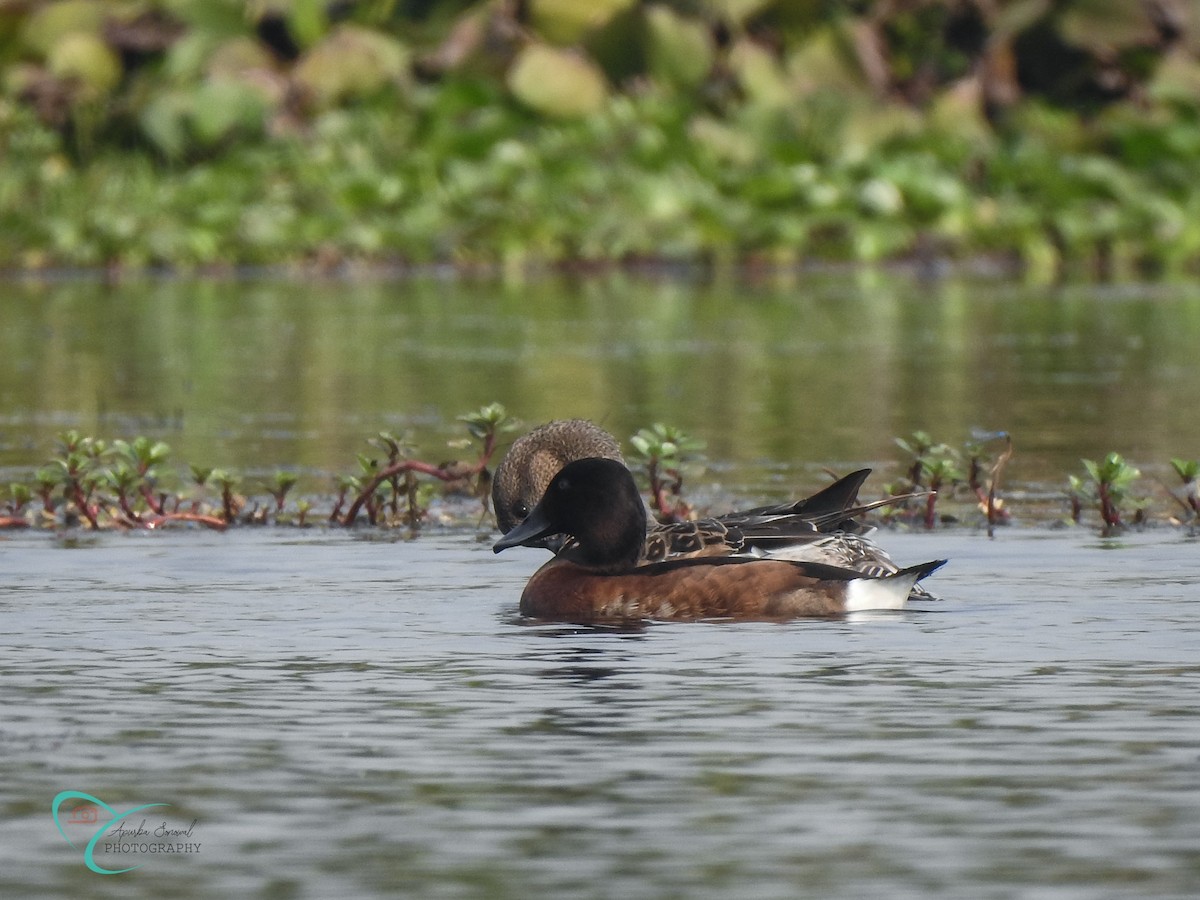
(533, 460)
(596, 502)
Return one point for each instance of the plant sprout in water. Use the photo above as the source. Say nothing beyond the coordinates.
(120, 484)
(1109, 483)
(931, 465)
(664, 450)
(484, 425)
(1188, 471)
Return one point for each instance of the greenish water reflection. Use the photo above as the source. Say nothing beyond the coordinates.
(777, 378)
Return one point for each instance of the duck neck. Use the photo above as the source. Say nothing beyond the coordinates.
(610, 547)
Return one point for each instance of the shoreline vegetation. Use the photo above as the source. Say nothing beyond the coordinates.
(93, 484)
(1046, 138)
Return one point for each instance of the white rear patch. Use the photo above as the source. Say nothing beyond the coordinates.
(890, 592)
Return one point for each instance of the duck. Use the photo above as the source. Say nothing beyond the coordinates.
(599, 575)
(821, 528)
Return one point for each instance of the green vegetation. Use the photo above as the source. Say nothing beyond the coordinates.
(1109, 484)
(936, 470)
(141, 133)
(399, 473)
(933, 468)
(1188, 471)
(88, 482)
(664, 451)
(98, 485)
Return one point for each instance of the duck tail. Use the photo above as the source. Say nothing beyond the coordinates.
(889, 591)
(834, 499)
(921, 570)
(832, 503)
(850, 512)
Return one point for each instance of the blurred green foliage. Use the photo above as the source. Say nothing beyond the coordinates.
(168, 132)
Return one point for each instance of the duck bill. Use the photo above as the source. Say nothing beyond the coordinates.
(535, 531)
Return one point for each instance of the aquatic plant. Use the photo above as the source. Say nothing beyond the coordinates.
(46, 480)
(1077, 495)
(19, 496)
(227, 483)
(484, 426)
(986, 488)
(1188, 471)
(931, 465)
(122, 479)
(343, 485)
(944, 471)
(366, 486)
(126, 484)
(1110, 481)
(279, 486)
(74, 470)
(138, 461)
(89, 481)
(934, 470)
(919, 447)
(664, 450)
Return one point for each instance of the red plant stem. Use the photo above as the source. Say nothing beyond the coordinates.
(81, 501)
(123, 502)
(410, 466)
(659, 492)
(213, 522)
(930, 504)
(151, 501)
(681, 510)
(396, 493)
(664, 510)
(407, 465)
(13, 522)
(1109, 512)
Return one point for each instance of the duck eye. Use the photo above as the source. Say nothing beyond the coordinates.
(519, 510)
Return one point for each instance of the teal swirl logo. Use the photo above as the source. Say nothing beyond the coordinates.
(87, 815)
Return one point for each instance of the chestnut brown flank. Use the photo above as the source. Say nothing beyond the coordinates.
(760, 588)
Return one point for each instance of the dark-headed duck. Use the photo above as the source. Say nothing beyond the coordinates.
(599, 575)
(820, 528)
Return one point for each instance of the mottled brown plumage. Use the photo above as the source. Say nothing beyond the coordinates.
(534, 459)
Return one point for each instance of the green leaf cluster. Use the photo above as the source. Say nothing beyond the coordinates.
(148, 133)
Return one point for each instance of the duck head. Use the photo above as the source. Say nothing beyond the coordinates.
(596, 502)
(533, 460)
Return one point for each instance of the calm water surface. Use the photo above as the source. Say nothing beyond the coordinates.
(346, 716)
(779, 379)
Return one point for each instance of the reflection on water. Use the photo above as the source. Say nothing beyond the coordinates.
(358, 718)
(825, 370)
